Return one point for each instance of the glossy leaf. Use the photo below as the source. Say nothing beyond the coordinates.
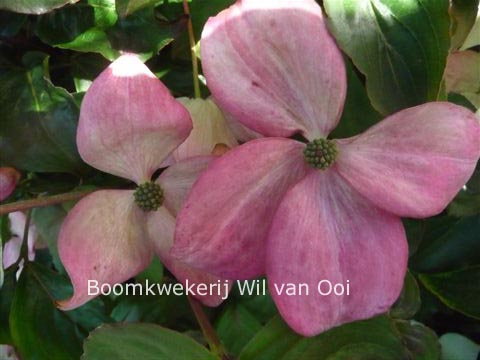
(409, 301)
(400, 46)
(127, 7)
(358, 114)
(363, 339)
(421, 342)
(80, 28)
(33, 6)
(38, 120)
(142, 341)
(467, 202)
(236, 326)
(457, 289)
(41, 331)
(48, 221)
(449, 244)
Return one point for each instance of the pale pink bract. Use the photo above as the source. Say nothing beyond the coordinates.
(261, 209)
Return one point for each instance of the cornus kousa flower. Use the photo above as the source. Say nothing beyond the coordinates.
(325, 210)
(129, 124)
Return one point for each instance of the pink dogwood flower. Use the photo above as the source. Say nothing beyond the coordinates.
(330, 209)
(129, 124)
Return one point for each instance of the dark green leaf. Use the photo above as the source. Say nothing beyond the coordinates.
(141, 341)
(33, 6)
(236, 326)
(41, 331)
(400, 46)
(127, 7)
(358, 114)
(420, 341)
(6, 296)
(362, 338)
(142, 32)
(80, 28)
(409, 301)
(467, 202)
(38, 120)
(458, 290)
(153, 273)
(48, 221)
(450, 246)
(65, 24)
(11, 23)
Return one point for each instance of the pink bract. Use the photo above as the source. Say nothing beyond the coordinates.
(129, 124)
(8, 181)
(261, 209)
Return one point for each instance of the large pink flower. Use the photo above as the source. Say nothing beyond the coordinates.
(326, 210)
(129, 124)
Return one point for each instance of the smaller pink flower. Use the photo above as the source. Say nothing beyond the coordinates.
(129, 124)
(8, 181)
(326, 210)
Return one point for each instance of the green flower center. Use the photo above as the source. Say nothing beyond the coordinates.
(320, 153)
(148, 196)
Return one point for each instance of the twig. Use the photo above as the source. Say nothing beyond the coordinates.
(191, 38)
(207, 329)
(42, 201)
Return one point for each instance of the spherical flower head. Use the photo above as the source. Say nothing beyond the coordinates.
(320, 153)
(149, 196)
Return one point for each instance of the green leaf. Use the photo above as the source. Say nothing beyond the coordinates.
(41, 331)
(11, 23)
(458, 290)
(409, 301)
(38, 120)
(362, 338)
(65, 24)
(141, 341)
(458, 347)
(6, 296)
(80, 28)
(33, 6)
(153, 273)
(141, 32)
(127, 7)
(421, 342)
(451, 245)
(236, 326)
(358, 114)
(463, 14)
(400, 46)
(467, 202)
(48, 221)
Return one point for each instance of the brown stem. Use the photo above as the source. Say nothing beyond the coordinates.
(193, 53)
(207, 329)
(42, 201)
